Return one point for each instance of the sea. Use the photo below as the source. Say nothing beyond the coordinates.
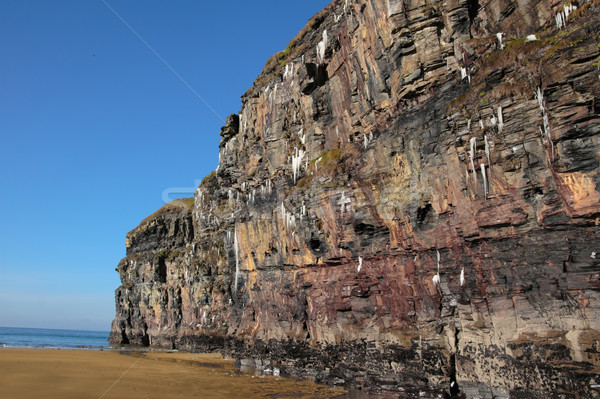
(14, 337)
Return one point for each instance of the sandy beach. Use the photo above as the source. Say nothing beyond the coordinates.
(46, 373)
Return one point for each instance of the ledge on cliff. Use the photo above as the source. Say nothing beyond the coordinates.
(172, 220)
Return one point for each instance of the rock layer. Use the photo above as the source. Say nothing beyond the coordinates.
(408, 199)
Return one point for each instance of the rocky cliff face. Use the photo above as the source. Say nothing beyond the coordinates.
(409, 198)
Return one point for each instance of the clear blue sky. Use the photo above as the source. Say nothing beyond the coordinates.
(94, 127)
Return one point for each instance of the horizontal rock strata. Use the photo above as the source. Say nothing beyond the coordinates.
(407, 200)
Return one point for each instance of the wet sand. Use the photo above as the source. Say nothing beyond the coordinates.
(48, 373)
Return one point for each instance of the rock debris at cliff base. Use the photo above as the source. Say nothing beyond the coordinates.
(408, 200)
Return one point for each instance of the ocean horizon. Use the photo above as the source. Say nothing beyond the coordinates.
(47, 338)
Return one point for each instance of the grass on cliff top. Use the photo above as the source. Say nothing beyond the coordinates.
(176, 206)
(209, 179)
(298, 45)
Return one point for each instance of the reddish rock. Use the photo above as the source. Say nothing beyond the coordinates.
(378, 221)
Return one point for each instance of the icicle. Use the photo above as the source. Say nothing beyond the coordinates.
(469, 124)
(559, 20)
(463, 73)
(462, 277)
(499, 37)
(487, 149)
(485, 190)
(289, 71)
(359, 264)
(500, 119)
(325, 37)
(473, 143)
(366, 140)
(297, 163)
(344, 202)
(436, 277)
(481, 124)
(237, 259)
(545, 121)
(540, 97)
(320, 52)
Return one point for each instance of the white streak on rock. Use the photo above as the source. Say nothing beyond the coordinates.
(499, 37)
(487, 149)
(237, 259)
(473, 143)
(436, 277)
(483, 174)
(500, 119)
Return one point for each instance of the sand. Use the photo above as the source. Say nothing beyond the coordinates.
(65, 374)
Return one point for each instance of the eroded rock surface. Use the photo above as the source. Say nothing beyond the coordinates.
(409, 199)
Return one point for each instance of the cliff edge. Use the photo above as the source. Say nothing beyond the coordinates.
(408, 200)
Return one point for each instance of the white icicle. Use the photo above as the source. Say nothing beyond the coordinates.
(473, 143)
(230, 197)
(463, 73)
(540, 97)
(320, 52)
(499, 37)
(559, 20)
(436, 277)
(297, 163)
(483, 173)
(500, 119)
(462, 277)
(344, 202)
(487, 149)
(237, 259)
(359, 264)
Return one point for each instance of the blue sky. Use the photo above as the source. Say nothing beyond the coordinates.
(94, 128)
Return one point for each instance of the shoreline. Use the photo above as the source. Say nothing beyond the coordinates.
(118, 372)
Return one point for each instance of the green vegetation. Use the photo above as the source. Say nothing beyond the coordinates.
(329, 164)
(209, 179)
(523, 60)
(298, 45)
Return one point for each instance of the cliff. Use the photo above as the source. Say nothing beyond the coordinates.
(408, 199)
